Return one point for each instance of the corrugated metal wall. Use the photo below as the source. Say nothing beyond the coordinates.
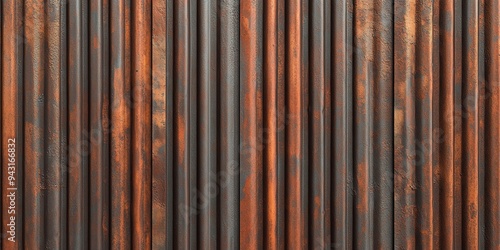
(252, 124)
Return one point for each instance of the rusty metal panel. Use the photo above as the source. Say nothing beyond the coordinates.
(252, 124)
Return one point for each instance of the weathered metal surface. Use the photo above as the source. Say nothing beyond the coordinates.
(252, 124)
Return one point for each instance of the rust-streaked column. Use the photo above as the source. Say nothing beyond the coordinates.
(364, 60)
(78, 172)
(141, 124)
(11, 57)
(99, 125)
(121, 112)
(251, 86)
(56, 131)
(472, 129)
(450, 125)
(363, 123)
(297, 105)
(162, 124)
(208, 186)
(383, 123)
(342, 124)
(185, 125)
(458, 124)
(229, 69)
(492, 123)
(320, 122)
(427, 131)
(404, 125)
(273, 134)
(34, 102)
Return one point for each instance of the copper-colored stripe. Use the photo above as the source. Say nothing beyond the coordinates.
(12, 90)
(251, 118)
(34, 80)
(297, 105)
(141, 124)
(274, 123)
(121, 112)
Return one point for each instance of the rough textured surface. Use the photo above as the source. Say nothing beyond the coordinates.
(252, 124)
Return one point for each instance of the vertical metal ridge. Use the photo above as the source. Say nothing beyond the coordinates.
(342, 124)
(320, 99)
(274, 124)
(405, 31)
(207, 96)
(229, 127)
(141, 124)
(185, 143)
(437, 131)
(251, 121)
(425, 126)
(162, 134)
(56, 128)
(121, 112)
(99, 112)
(12, 91)
(364, 119)
(78, 107)
(34, 80)
(383, 125)
(449, 134)
(458, 124)
(471, 127)
(492, 126)
(297, 105)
